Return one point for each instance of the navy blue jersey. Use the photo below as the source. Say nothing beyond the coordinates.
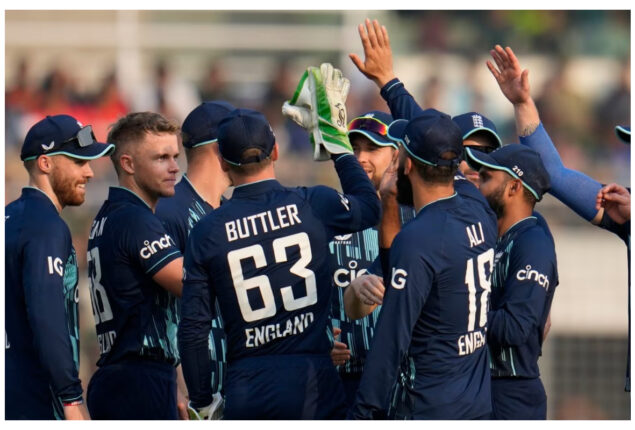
(623, 231)
(263, 255)
(42, 325)
(524, 281)
(435, 313)
(351, 255)
(401, 103)
(182, 211)
(179, 215)
(127, 246)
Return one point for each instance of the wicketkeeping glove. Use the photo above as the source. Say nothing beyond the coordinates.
(214, 411)
(318, 105)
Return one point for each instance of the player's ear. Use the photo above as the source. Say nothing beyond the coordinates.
(407, 166)
(516, 186)
(127, 163)
(223, 164)
(274, 152)
(44, 164)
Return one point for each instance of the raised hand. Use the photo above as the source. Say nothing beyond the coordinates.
(616, 201)
(512, 80)
(377, 64)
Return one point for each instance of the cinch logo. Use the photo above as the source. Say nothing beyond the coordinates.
(517, 170)
(155, 246)
(477, 120)
(528, 275)
(398, 279)
(343, 277)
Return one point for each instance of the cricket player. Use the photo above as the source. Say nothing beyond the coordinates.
(41, 293)
(134, 267)
(198, 193)
(525, 277)
(478, 131)
(438, 276)
(573, 188)
(263, 256)
(352, 255)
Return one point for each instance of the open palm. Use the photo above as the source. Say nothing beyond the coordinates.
(512, 80)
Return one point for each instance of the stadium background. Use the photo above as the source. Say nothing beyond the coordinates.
(98, 65)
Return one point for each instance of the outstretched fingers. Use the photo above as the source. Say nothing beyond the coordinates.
(372, 35)
(493, 70)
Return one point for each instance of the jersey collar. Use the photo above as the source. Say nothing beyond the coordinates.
(255, 188)
(116, 193)
(530, 220)
(440, 201)
(36, 193)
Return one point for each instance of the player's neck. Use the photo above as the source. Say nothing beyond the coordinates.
(428, 193)
(45, 186)
(513, 214)
(209, 181)
(129, 183)
(266, 173)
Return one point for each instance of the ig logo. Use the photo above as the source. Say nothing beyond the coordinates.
(398, 279)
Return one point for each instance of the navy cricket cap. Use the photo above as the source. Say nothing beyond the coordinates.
(474, 122)
(243, 129)
(63, 134)
(520, 161)
(428, 136)
(624, 133)
(373, 125)
(201, 125)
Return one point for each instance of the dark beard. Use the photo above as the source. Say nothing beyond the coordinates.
(495, 201)
(65, 190)
(404, 188)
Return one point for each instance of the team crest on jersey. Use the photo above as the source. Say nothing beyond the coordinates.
(343, 237)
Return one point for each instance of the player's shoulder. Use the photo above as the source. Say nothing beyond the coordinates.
(40, 221)
(534, 239)
(423, 230)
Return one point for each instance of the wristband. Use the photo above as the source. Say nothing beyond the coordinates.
(73, 403)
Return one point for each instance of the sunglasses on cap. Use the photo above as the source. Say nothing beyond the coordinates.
(84, 137)
(372, 125)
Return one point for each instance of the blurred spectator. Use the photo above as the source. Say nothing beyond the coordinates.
(214, 85)
(563, 111)
(167, 93)
(614, 108)
(283, 83)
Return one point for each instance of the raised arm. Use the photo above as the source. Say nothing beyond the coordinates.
(377, 66)
(572, 188)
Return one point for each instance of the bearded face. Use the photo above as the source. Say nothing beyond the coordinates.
(68, 180)
(495, 200)
(404, 187)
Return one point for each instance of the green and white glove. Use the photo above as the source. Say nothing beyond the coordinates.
(318, 105)
(214, 411)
